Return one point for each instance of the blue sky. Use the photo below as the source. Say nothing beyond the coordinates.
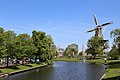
(65, 20)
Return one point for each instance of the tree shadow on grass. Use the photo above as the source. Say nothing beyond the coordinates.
(113, 78)
(13, 67)
(114, 64)
(28, 65)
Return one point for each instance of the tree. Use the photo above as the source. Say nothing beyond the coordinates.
(71, 50)
(96, 45)
(2, 47)
(38, 42)
(23, 46)
(115, 51)
(31, 49)
(49, 48)
(81, 53)
(44, 44)
(9, 45)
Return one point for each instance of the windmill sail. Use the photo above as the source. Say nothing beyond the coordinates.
(95, 19)
(98, 28)
(106, 23)
(92, 30)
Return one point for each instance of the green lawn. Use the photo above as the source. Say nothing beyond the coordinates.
(67, 59)
(113, 70)
(20, 67)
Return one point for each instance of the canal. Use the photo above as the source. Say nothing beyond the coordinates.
(63, 71)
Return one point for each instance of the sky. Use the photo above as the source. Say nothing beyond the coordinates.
(65, 20)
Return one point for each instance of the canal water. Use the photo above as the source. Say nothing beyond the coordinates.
(63, 71)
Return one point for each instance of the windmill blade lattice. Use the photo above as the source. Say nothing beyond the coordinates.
(107, 24)
(95, 19)
(92, 30)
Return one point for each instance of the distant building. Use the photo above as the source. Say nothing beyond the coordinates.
(60, 52)
(84, 54)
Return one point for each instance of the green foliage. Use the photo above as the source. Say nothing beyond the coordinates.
(81, 53)
(45, 45)
(9, 37)
(2, 43)
(23, 46)
(96, 45)
(71, 50)
(115, 51)
(7, 44)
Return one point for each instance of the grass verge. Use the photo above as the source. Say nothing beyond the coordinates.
(19, 68)
(113, 71)
(67, 59)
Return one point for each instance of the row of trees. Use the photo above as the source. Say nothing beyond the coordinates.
(97, 45)
(40, 46)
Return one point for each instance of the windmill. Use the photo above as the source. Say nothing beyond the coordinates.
(98, 28)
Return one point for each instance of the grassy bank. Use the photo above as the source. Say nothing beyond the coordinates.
(113, 66)
(19, 68)
(113, 70)
(67, 59)
(77, 60)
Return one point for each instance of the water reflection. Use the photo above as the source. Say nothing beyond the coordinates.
(63, 71)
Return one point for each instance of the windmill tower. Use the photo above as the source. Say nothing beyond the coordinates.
(98, 28)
